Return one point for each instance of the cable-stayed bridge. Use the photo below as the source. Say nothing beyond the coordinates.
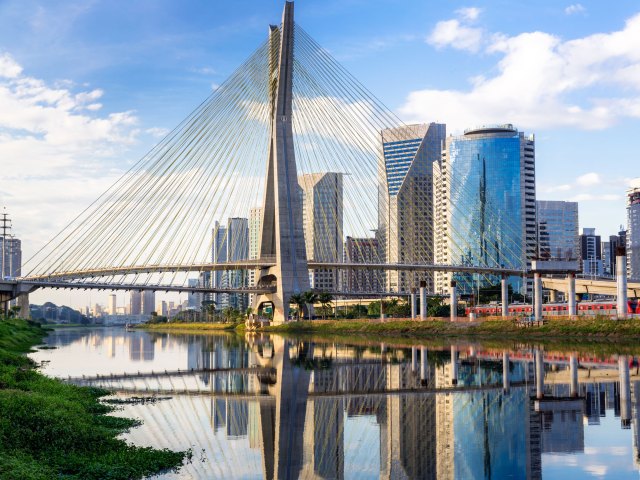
(289, 118)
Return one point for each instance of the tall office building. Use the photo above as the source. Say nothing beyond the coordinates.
(255, 229)
(322, 220)
(238, 249)
(148, 302)
(615, 241)
(135, 302)
(194, 299)
(633, 231)
(361, 250)
(113, 305)
(11, 249)
(591, 252)
(230, 243)
(485, 204)
(558, 234)
(405, 200)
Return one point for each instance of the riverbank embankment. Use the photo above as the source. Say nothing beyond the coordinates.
(49, 429)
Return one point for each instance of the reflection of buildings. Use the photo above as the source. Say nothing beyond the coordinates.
(141, 347)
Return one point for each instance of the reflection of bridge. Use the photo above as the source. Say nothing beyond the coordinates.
(421, 411)
(288, 111)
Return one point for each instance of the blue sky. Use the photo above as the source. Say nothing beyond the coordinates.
(87, 87)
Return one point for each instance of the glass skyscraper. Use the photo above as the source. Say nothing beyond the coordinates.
(485, 208)
(558, 230)
(405, 200)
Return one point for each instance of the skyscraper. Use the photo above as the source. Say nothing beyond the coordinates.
(591, 252)
(230, 243)
(558, 235)
(361, 250)
(113, 305)
(322, 216)
(148, 302)
(633, 231)
(485, 205)
(615, 241)
(11, 248)
(255, 228)
(135, 302)
(405, 200)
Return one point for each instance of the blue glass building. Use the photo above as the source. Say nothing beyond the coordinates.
(485, 205)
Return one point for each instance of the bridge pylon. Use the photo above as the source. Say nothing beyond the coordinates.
(282, 234)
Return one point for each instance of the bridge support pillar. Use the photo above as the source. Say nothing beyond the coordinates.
(454, 365)
(621, 285)
(539, 374)
(423, 300)
(573, 372)
(424, 366)
(453, 302)
(505, 371)
(23, 303)
(625, 391)
(553, 296)
(414, 359)
(413, 306)
(571, 294)
(505, 296)
(537, 298)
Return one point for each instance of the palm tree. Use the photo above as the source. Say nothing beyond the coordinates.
(325, 300)
(309, 298)
(298, 300)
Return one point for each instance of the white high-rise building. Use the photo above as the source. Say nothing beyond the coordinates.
(405, 201)
(322, 216)
(255, 229)
(113, 305)
(135, 302)
(633, 231)
(11, 248)
(148, 302)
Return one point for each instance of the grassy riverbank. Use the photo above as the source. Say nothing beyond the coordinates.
(190, 327)
(52, 430)
(563, 329)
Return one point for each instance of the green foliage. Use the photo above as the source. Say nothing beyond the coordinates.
(49, 429)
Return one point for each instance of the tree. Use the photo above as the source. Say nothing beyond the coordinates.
(325, 300)
(298, 300)
(309, 299)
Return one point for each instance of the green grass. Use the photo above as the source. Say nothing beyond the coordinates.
(49, 429)
(190, 327)
(579, 329)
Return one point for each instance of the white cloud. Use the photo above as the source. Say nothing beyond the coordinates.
(469, 13)
(9, 68)
(588, 179)
(541, 81)
(458, 33)
(157, 132)
(585, 197)
(57, 153)
(574, 8)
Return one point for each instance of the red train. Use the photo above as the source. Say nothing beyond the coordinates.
(554, 309)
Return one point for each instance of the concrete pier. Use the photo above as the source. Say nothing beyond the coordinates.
(505, 296)
(453, 301)
(414, 359)
(621, 284)
(539, 374)
(571, 294)
(537, 298)
(413, 306)
(23, 303)
(625, 391)
(505, 371)
(423, 300)
(573, 373)
(454, 365)
(424, 366)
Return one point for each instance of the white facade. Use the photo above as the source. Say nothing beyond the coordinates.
(322, 214)
(633, 231)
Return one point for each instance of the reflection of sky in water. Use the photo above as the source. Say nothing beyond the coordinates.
(337, 432)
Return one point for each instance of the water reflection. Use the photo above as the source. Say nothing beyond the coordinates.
(268, 407)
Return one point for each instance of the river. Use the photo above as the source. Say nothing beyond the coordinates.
(268, 407)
